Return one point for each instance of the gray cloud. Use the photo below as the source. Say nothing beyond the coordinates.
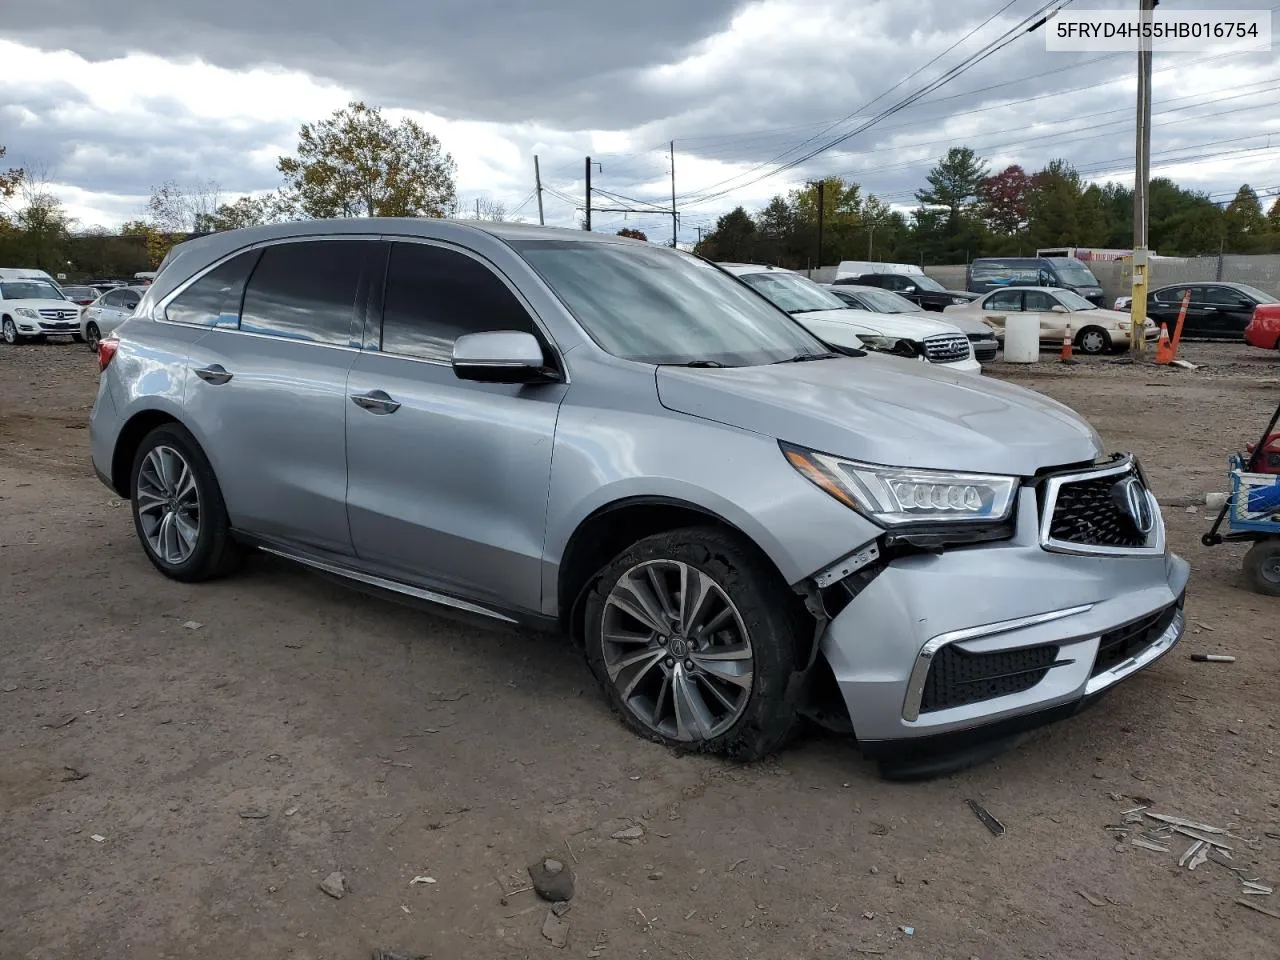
(549, 72)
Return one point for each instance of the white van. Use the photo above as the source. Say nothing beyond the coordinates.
(860, 268)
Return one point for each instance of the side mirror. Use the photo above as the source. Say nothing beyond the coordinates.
(909, 288)
(1058, 308)
(500, 356)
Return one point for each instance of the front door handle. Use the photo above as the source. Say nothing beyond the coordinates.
(376, 401)
(215, 373)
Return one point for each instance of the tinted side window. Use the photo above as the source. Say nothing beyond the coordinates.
(306, 291)
(214, 299)
(435, 295)
(1223, 296)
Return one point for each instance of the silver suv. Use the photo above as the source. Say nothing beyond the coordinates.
(741, 524)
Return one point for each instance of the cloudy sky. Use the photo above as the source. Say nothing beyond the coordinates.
(109, 99)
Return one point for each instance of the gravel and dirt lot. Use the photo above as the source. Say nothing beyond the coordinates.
(180, 766)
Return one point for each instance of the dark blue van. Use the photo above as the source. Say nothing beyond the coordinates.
(992, 273)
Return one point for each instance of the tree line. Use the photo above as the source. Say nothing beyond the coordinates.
(965, 211)
(354, 163)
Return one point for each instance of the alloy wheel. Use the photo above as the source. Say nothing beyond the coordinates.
(168, 505)
(676, 650)
(10, 332)
(92, 336)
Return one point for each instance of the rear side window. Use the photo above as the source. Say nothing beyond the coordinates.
(1010, 300)
(435, 295)
(305, 291)
(1037, 301)
(212, 301)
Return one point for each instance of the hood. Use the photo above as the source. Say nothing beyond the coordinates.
(883, 409)
(908, 326)
(43, 304)
(964, 293)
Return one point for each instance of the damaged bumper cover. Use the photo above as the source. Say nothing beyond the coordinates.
(942, 650)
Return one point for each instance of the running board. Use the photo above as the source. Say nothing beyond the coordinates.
(418, 593)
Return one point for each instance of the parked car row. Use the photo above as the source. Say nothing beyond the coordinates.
(742, 517)
(1218, 310)
(1093, 329)
(35, 308)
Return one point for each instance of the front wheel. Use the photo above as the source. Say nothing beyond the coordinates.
(1093, 340)
(1262, 567)
(178, 511)
(693, 637)
(9, 331)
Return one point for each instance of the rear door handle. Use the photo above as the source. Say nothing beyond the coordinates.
(215, 373)
(376, 401)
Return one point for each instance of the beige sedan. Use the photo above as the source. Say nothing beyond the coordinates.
(1093, 329)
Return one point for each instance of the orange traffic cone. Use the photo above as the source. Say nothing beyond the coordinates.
(1164, 348)
(1066, 346)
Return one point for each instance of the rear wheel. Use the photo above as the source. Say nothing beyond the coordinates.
(178, 511)
(1262, 567)
(693, 637)
(1093, 340)
(92, 335)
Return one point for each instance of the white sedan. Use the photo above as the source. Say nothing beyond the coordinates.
(831, 320)
(106, 313)
(1093, 329)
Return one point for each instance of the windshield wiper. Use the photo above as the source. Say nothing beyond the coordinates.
(806, 357)
(700, 363)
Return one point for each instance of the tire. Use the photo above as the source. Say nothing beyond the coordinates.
(180, 555)
(1093, 341)
(9, 333)
(739, 595)
(1262, 567)
(92, 335)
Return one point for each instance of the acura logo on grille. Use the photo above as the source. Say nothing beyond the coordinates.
(1131, 496)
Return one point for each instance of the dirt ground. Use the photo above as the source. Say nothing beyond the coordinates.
(175, 792)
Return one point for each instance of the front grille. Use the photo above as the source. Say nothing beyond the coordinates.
(957, 678)
(1088, 512)
(984, 347)
(58, 326)
(55, 314)
(1118, 645)
(946, 348)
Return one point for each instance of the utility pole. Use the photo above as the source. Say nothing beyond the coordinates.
(1141, 187)
(537, 179)
(674, 216)
(477, 208)
(588, 217)
(817, 184)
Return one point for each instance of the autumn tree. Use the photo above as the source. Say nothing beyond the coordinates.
(1273, 217)
(632, 233)
(357, 163)
(1003, 200)
(9, 179)
(154, 241)
(249, 211)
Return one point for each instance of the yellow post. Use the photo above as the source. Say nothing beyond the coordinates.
(1138, 306)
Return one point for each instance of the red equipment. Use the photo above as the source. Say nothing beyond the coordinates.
(1269, 460)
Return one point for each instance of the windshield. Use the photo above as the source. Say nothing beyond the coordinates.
(927, 283)
(30, 290)
(1074, 273)
(886, 301)
(792, 293)
(657, 306)
(1073, 301)
(1256, 294)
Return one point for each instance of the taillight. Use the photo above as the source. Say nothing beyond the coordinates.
(106, 351)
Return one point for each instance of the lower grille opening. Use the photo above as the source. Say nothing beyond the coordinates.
(1118, 645)
(957, 678)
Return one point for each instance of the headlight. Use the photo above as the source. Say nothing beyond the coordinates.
(959, 300)
(27, 312)
(897, 496)
(895, 345)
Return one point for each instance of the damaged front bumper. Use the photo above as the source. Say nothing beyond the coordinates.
(937, 650)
